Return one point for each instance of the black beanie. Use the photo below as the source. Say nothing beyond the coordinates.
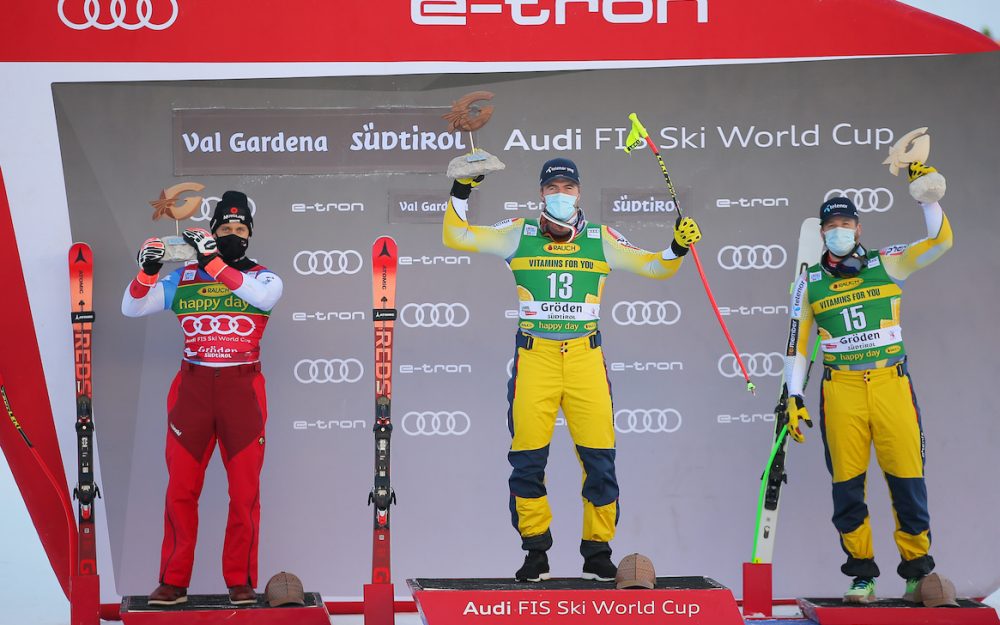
(233, 206)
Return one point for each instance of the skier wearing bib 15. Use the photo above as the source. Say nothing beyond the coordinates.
(222, 302)
(853, 296)
(560, 262)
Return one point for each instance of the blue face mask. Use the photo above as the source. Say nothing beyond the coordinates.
(840, 241)
(560, 205)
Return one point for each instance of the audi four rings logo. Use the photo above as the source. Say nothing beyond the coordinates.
(118, 14)
(646, 313)
(771, 363)
(327, 262)
(205, 325)
(440, 315)
(207, 207)
(647, 421)
(867, 200)
(330, 370)
(436, 423)
(752, 257)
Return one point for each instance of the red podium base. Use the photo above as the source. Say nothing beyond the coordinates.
(216, 610)
(573, 601)
(85, 600)
(896, 612)
(379, 605)
(757, 601)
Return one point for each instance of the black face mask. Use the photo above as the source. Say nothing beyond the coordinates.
(851, 265)
(232, 247)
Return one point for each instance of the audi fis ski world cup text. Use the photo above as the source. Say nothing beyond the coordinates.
(573, 608)
(726, 137)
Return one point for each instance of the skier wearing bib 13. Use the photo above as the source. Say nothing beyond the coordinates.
(560, 262)
(222, 302)
(853, 296)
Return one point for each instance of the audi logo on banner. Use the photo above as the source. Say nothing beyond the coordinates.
(329, 371)
(867, 200)
(146, 14)
(430, 315)
(663, 313)
(647, 421)
(732, 257)
(761, 364)
(206, 325)
(327, 262)
(430, 423)
(204, 212)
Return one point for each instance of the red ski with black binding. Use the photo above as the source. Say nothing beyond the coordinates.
(384, 260)
(81, 275)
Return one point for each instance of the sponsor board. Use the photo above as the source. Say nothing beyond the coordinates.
(411, 206)
(313, 141)
(620, 205)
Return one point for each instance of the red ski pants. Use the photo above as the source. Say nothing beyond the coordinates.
(206, 404)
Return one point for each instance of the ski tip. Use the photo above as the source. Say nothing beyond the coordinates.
(384, 246)
(80, 253)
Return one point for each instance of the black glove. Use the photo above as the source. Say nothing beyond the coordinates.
(203, 243)
(462, 187)
(150, 256)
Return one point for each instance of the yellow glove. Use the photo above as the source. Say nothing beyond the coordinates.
(926, 183)
(796, 412)
(916, 170)
(686, 234)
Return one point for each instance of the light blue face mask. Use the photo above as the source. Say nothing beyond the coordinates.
(560, 205)
(840, 241)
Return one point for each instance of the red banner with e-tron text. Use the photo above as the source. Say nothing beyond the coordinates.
(230, 31)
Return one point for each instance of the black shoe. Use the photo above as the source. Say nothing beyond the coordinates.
(599, 567)
(535, 567)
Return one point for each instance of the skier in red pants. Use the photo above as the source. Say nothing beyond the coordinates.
(222, 302)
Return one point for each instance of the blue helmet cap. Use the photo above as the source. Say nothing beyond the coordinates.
(558, 168)
(837, 207)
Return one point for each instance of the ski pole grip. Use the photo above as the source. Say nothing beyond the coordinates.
(638, 124)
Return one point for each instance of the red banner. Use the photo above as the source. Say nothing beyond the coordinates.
(43, 487)
(470, 30)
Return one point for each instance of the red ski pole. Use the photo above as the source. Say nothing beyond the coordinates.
(636, 137)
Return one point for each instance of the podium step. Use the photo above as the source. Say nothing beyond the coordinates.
(896, 612)
(573, 601)
(216, 610)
